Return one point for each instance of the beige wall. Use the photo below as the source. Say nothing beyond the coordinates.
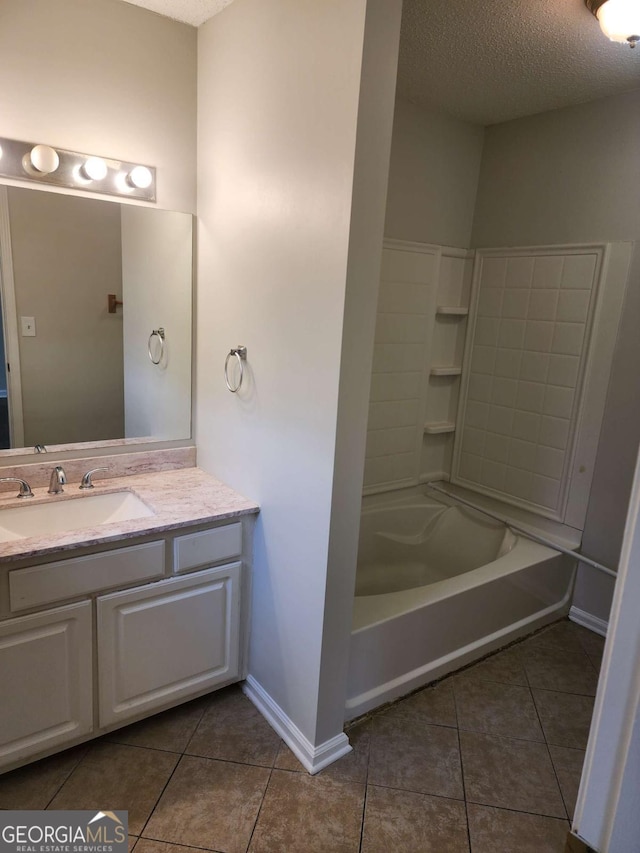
(279, 88)
(157, 293)
(66, 259)
(103, 77)
(561, 177)
(566, 177)
(433, 177)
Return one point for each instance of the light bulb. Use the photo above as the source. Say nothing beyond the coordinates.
(140, 177)
(95, 169)
(44, 159)
(620, 20)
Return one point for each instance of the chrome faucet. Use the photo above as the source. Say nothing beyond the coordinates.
(57, 481)
(25, 488)
(86, 479)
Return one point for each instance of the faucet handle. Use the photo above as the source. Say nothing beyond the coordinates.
(25, 488)
(86, 480)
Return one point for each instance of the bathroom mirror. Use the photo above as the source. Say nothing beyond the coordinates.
(94, 293)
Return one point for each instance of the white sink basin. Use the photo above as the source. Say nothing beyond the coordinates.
(59, 516)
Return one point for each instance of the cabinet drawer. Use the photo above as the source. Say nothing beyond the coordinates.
(82, 575)
(209, 546)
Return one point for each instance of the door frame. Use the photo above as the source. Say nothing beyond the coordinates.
(10, 325)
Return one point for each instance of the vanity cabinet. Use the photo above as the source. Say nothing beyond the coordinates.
(47, 683)
(158, 622)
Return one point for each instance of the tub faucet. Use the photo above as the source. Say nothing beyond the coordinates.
(57, 481)
(25, 488)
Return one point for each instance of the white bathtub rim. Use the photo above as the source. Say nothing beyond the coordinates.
(433, 670)
(565, 535)
(524, 554)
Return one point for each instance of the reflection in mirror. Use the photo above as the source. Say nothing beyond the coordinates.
(75, 371)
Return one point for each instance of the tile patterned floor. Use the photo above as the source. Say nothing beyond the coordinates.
(487, 761)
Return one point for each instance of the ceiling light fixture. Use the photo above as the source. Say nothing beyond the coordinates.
(619, 19)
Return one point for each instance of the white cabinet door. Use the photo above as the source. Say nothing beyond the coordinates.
(46, 681)
(163, 642)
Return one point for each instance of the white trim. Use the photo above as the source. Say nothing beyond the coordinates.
(408, 246)
(588, 620)
(10, 312)
(428, 248)
(606, 813)
(313, 758)
(389, 487)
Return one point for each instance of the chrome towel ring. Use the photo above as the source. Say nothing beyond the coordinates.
(156, 333)
(240, 353)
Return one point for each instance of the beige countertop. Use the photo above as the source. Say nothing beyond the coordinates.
(178, 498)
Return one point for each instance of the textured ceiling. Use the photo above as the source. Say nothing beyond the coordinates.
(194, 12)
(488, 61)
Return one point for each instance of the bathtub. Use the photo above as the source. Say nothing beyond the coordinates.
(439, 586)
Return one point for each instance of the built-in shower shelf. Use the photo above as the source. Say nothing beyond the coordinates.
(446, 371)
(452, 310)
(439, 427)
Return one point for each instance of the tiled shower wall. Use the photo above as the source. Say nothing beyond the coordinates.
(405, 307)
(410, 338)
(529, 340)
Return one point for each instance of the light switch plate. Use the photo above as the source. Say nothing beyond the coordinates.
(28, 327)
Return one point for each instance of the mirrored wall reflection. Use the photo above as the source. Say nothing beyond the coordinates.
(76, 370)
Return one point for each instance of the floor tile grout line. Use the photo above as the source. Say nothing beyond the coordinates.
(520, 811)
(264, 796)
(174, 843)
(66, 778)
(228, 760)
(506, 737)
(565, 692)
(108, 739)
(164, 788)
(211, 701)
(364, 812)
(206, 706)
(553, 766)
(464, 787)
(414, 791)
(366, 784)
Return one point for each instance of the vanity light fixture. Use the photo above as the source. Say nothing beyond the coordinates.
(619, 19)
(44, 159)
(42, 164)
(140, 177)
(94, 169)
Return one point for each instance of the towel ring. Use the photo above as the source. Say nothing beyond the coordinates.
(240, 353)
(156, 333)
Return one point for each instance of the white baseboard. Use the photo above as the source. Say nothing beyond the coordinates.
(313, 758)
(587, 620)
